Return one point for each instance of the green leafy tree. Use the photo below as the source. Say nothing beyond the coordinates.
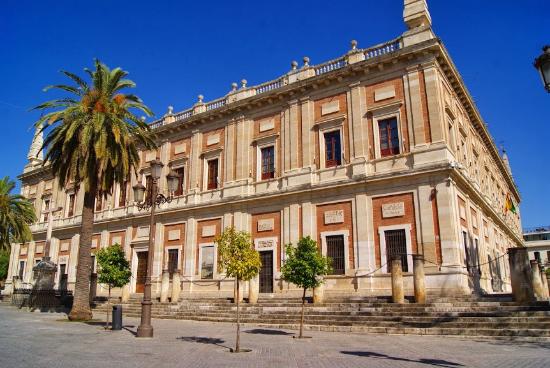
(238, 258)
(113, 270)
(16, 214)
(4, 264)
(304, 266)
(92, 141)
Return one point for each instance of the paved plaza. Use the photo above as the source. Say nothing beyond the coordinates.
(47, 340)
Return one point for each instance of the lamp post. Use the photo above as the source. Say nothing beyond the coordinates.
(542, 64)
(151, 201)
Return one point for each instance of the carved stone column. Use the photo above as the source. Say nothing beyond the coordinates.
(164, 286)
(398, 293)
(419, 279)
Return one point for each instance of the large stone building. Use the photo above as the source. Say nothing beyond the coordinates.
(537, 242)
(381, 151)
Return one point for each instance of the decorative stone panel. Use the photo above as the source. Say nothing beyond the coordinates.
(395, 209)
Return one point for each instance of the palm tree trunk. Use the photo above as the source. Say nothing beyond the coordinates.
(238, 343)
(108, 308)
(302, 317)
(81, 303)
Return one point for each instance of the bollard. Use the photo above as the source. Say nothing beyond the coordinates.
(319, 294)
(164, 286)
(536, 282)
(419, 279)
(544, 282)
(125, 293)
(176, 287)
(253, 289)
(398, 295)
(548, 283)
(520, 275)
(241, 292)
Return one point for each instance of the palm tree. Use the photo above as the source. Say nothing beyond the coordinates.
(93, 142)
(16, 214)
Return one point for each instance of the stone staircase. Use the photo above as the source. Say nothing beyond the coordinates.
(489, 316)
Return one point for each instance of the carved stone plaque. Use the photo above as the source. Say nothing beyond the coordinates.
(330, 107)
(39, 249)
(180, 148)
(266, 224)
(174, 234)
(266, 125)
(208, 231)
(213, 139)
(150, 156)
(384, 93)
(142, 232)
(334, 217)
(64, 246)
(116, 240)
(393, 209)
(94, 243)
(265, 243)
(23, 251)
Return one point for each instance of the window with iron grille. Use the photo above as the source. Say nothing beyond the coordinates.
(148, 187)
(180, 174)
(268, 162)
(396, 247)
(122, 196)
(333, 149)
(389, 137)
(172, 261)
(46, 207)
(98, 203)
(207, 262)
(335, 251)
(21, 269)
(70, 212)
(212, 174)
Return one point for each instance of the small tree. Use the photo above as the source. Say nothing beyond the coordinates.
(113, 270)
(4, 264)
(304, 267)
(238, 258)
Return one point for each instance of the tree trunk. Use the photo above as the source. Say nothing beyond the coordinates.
(108, 308)
(302, 317)
(81, 310)
(237, 344)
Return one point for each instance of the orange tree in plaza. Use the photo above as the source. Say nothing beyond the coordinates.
(92, 141)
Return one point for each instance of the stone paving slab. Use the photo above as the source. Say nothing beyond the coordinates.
(45, 340)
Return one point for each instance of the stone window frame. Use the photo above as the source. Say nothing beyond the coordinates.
(182, 163)
(266, 142)
(272, 248)
(382, 113)
(118, 193)
(408, 244)
(345, 232)
(68, 194)
(44, 216)
(215, 154)
(328, 126)
(215, 270)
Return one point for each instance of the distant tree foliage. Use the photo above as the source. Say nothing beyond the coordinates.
(16, 214)
(4, 264)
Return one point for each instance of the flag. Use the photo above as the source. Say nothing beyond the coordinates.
(509, 205)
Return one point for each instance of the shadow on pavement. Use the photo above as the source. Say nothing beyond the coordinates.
(204, 340)
(263, 331)
(432, 362)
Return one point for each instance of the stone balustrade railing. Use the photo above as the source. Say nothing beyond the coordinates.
(235, 95)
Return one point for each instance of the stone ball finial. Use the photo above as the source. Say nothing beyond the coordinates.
(170, 109)
(201, 97)
(353, 44)
(306, 61)
(234, 86)
(143, 118)
(294, 64)
(243, 83)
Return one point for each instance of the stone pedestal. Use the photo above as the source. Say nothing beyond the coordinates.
(520, 275)
(176, 287)
(44, 273)
(536, 281)
(164, 286)
(319, 294)
(125, 293)
(544, 282)
(419, 279)
(397, 291)
(253, 289)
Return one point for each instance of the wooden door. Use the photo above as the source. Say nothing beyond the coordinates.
(266, 272)
(141, 273)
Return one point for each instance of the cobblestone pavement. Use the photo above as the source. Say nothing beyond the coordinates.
(47, 340)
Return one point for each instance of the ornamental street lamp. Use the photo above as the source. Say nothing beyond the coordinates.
(151, 201)
(542, 63)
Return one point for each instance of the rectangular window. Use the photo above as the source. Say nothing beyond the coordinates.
(62, 281)
(268, 162)
(335, 251)
(180, 173)
(98, 203)
(46, 208)
(333, 149)
(21, 269)
(207, 263)
(389, 137)
(172, 261)
(548, 256)
(537, 256)
(148, 186)
(70, 212)
(396, 247)
(212, 174)
(122, 195)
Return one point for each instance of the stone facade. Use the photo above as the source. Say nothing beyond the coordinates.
(381, 146)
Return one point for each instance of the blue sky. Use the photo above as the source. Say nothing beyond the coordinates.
(175, 50)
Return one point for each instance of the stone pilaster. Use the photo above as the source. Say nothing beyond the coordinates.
(434, 102)
(189, 248)
(309, 220)
(308, 134)
(448, 224)
(195, 163)
(362, 218)
(413, 103)
(426, 244)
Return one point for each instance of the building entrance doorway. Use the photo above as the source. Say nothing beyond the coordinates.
(266, 272)
(396, 247)
(141, 273)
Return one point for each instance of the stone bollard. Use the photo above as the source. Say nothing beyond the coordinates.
(419, 279)
(520, 275)
(548, 283)
(125, 294)
(241, 292)
(253, 289)
(536, 282)
(544, 282)
(164, 286)
(176, 287)
(319, 294)
(398, 294)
